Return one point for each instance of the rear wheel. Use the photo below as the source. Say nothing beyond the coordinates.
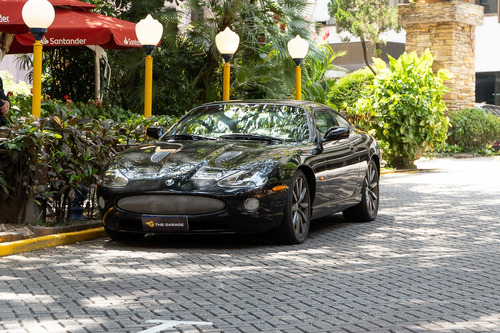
(123, 236)
(367, 209)
(297, 216)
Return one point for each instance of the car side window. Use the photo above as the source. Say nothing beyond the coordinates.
(324, 120)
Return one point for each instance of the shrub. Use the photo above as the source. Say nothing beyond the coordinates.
(345, 93)
(176, 74)
(348, 89)
(472, 129)
(409, 113)
(51, 158)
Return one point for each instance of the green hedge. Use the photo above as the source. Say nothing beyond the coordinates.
(473, 129)
(50, 158)
(344, 94)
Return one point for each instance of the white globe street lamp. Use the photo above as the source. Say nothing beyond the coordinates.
(38, 16)
(298, 48)
(149, 32)
(227, 43)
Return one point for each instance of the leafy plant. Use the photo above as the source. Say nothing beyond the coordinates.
(52, 158)
(473, 129)
(188, 67)
(175, 74)
(264, 28)
(345, 92)
(317, 83)
(409, 113)
(20, 155)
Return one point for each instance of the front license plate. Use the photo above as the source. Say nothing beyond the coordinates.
(164, 223)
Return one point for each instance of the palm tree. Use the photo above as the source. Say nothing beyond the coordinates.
(264, 28)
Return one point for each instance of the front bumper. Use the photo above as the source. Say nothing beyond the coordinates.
(232, 217)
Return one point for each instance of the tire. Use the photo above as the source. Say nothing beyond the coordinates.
(123, 236)
(367, 209)
(297, 215)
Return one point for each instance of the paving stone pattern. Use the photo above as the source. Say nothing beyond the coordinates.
(429, 263)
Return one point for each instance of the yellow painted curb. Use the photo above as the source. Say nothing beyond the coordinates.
(32, 244)
(390, 172)
(408, 171)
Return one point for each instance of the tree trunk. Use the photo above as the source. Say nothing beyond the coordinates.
(365, 56)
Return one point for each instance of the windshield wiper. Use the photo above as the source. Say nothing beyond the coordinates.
(186, 137)
(246, 136)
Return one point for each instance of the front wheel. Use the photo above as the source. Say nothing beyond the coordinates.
(297, 216)
(367, 209)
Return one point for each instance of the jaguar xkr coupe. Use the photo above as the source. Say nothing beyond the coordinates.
(243, 166)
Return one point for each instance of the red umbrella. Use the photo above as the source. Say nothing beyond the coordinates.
(73, 25)
(11, 20)
(80, 28)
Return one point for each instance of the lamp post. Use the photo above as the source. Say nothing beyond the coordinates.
(38, 16)
(227, 42)
(149, 32)
(298, 48)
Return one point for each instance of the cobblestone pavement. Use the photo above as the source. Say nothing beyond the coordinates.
(429, 263)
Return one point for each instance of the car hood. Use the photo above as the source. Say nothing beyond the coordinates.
(200, 159)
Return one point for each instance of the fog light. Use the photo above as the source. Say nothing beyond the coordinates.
(251, 205)
(102, 203)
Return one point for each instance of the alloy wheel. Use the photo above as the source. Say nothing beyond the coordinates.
(300, 207)
(372, 189)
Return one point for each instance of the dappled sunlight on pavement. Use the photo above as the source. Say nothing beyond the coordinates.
(429, 263)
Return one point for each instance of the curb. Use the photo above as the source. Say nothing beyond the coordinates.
(407, 171)
(390, 172)
(32, 244)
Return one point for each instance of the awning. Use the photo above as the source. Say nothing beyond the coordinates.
(81, 28)
(74, 25)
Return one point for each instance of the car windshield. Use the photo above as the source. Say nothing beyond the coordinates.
(243, 122)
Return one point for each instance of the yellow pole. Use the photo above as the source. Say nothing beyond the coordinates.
(225, 82)
(298, 84)
(148, 86)
(37, 79)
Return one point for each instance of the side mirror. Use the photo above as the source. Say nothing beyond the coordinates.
(336, 133)
(154, 132)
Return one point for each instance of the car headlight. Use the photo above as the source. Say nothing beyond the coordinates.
(244, 179)
(113, 178)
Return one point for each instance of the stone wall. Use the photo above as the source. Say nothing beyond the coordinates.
(447, 29)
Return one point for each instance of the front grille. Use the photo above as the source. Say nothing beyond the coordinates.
(161, 204)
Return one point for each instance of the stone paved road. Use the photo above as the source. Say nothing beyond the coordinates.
(429, 263)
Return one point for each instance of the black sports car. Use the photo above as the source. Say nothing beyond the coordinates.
(243, 166)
